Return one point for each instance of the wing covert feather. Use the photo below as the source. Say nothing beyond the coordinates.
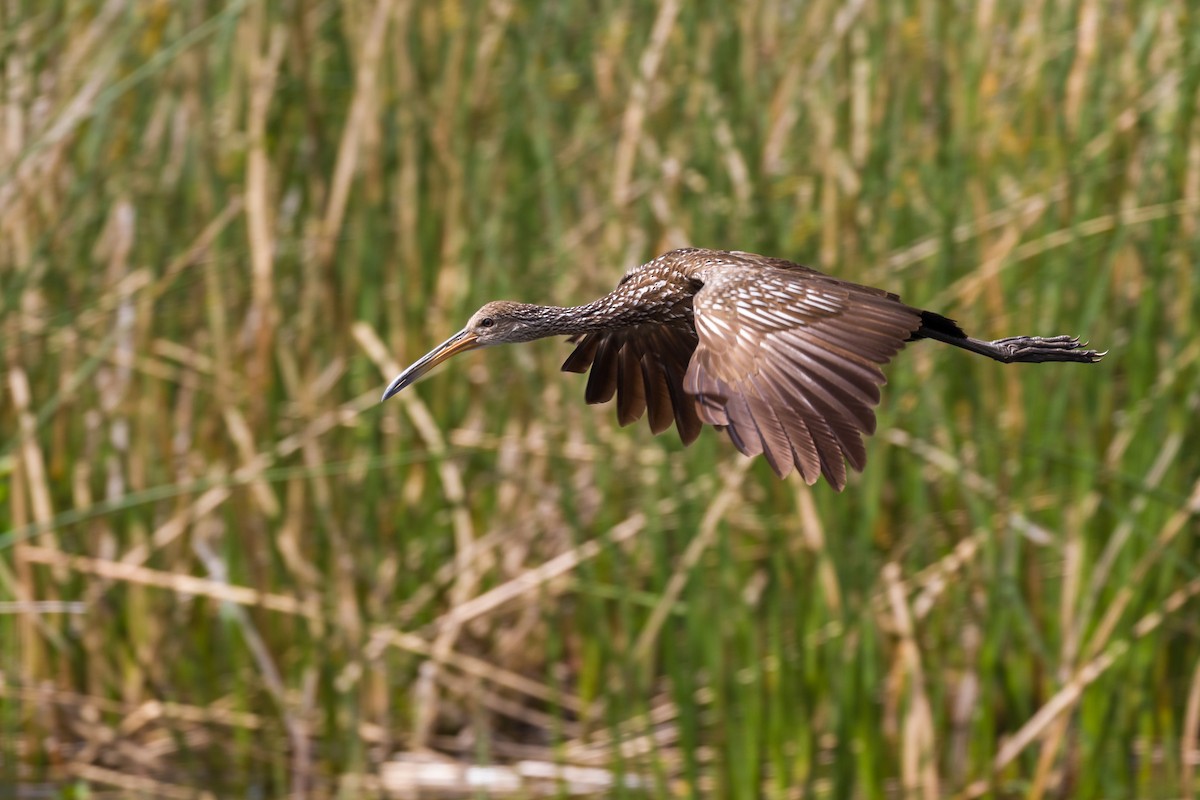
(789, 362)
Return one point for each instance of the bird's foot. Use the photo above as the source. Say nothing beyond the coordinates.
(1026, 349)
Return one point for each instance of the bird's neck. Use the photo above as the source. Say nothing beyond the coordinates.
(616, 310)
(606, 313)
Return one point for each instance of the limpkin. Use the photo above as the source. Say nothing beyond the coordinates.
(782, 357)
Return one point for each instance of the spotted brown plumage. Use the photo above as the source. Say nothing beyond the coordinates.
(784, 358)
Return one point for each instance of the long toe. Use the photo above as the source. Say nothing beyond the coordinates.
(1051, 341)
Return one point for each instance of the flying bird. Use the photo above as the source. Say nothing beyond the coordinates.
(785, 359)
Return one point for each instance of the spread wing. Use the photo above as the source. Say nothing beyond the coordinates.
(788, 361)
(644, 366)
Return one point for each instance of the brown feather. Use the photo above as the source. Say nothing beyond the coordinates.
(658, 396)
(602, 382)
(631, 393)
(584, 354)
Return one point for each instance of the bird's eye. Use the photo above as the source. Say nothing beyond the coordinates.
(486, 322)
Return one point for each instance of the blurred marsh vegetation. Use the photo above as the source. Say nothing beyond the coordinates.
(225, 224)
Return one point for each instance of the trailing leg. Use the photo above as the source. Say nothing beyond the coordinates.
(1010, 350)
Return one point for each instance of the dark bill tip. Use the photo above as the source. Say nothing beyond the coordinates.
(401, 381)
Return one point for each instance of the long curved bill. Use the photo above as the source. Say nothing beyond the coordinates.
(460, 342)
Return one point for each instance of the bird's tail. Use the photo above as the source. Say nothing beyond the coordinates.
(935, 326)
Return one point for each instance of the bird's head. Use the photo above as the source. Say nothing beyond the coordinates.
(505, 322)
(498, 322)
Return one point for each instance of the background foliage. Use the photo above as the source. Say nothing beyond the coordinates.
(223, 567)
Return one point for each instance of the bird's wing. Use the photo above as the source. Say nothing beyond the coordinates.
(788, 362)
(644, 366)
